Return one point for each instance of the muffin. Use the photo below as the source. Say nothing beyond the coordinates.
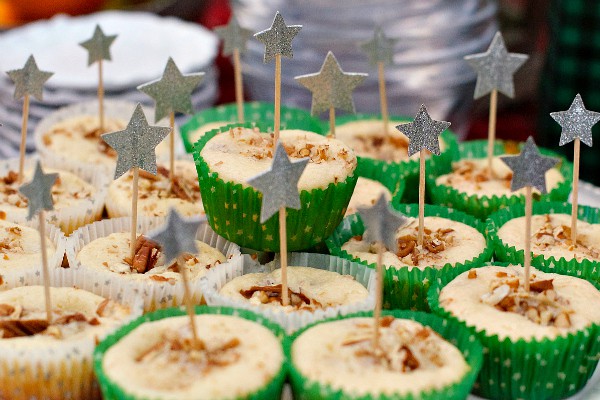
(226, 160)
(367, 191)
(238, 355)
(419, 356)
(539, 344)
(53, 361)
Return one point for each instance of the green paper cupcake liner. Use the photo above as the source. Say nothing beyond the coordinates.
(404, 288)
(110, 391)
(255, 111)
(586, 268)
(408, 169)
(233, 211)
(452, 331)
(537, 369)
(483, 206)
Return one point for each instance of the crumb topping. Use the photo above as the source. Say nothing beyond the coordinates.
(559, 235)
(160, 186)
(467, 170)
(273, 293)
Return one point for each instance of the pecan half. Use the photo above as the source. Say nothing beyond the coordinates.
(146, 255)
(19, 328)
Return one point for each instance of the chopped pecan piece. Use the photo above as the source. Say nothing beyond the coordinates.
(472, 274)
(434, 245)
(10, 178)
(540, 286)
(410, 361)
(179, 190)
(67, 319)
(6, 310)
(406, 245)
(146, 255)
(159, 278)
(20, 328)
(273, 293)
(386, 321)
(101, 307)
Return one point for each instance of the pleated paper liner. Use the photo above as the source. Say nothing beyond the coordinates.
(233, 210)
(213, 281)
(407, 170)
(404, 288)
(111, 391)
(586, 268)
(255, 111)
(534, 369)
(61, 370)
(452, 331)
(155, 294)
(483, 206)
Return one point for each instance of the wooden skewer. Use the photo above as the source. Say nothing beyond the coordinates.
(100, 96)
(332, 122)
(188, 301)
(285, 300)
(23, 138)
(421, 197)
(172, 147)
(134, 211)
(575, 192)
(378, 297)
(492, 130)
(239, 88)
(383, 97)
(277, 98)
(527, 263)
(45, 273)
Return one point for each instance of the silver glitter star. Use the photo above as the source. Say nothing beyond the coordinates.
(423, 132)
(29, 79)
(331, 87)
(529, 168)
(135, 146)
(234, 36)
(278, 38)
(98, 46)
(39, 191)
(381, 223)
(177, 236)
(495, 68)
(576, 122)
(279, 185)
(380, 48)
(173, 91)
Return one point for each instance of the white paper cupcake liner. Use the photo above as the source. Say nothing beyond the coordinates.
(156, 295)
(215, 279)
(61, 370)
(32, 274)
(71, 218)
(117, 109)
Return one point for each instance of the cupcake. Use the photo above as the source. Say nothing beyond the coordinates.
(453, 242)
(468, 186)
(102, 250)
(53, 361)
(367, 191)
(320, 286)
(238, 355)
(538, 344)
(419, 356)
(255, 111)
(227, 160)
(551, 245)
(156, 193)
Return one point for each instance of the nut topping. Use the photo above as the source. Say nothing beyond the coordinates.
(146, 255)
(272, 293)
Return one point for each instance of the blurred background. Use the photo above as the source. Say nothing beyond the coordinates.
(562, 39)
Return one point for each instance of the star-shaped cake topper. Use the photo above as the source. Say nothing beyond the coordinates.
(576, 122)
(173, 91)
(495, 68)
(234, 36)
(380, 48)
(331, 87)
(423, 132)
(381, 223)
(177, 236)
(279, 185)
(29, 80)
(135, 146)
(529, 168)
(98, 46)
(39, 191)
(278, 38)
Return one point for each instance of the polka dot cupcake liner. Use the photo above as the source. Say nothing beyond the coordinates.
(585, 268)
(112, 391)
(535, 369)
(452, 331)
(233, 210)
(255, 111)
(483, 206)
(404, 288)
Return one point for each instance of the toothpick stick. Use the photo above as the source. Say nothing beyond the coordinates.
(527, 263)
(421, 197)
(378, 295)
(100, 96)
(283, 254)
(172, 147)
(239, 88)
(189, 304)
(134, 209)
(575, 191)
(332, 122)
(45, 273)
(383, 97)
(277, 96)
(23, 137)
(492, 130)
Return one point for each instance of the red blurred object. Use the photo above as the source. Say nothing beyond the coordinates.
(30, 10)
